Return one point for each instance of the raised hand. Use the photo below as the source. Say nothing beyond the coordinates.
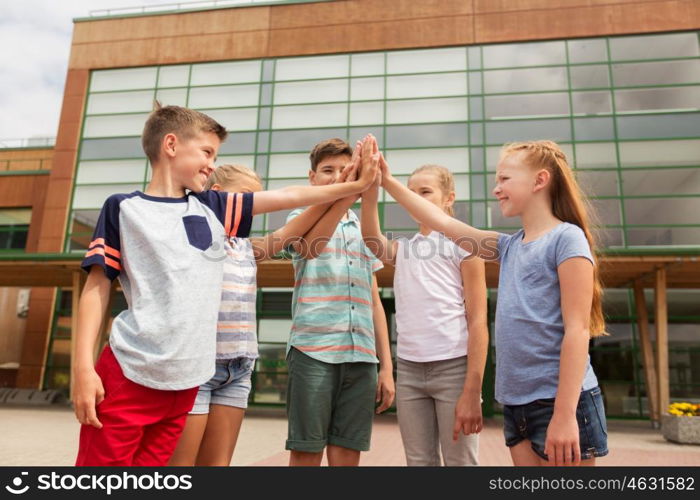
(351, 169)
(369, 160)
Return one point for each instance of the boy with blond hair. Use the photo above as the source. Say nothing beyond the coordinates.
(162, 245)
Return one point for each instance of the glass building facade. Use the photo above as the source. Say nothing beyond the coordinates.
(626, 110)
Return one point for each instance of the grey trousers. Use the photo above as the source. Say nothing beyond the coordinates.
(426, 396)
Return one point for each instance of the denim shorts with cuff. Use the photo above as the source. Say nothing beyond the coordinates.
(230, 386)
(530, 421)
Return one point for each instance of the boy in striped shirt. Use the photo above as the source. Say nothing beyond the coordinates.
(339, 328)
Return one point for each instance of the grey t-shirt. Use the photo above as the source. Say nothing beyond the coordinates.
(168, 254)
(529, 323)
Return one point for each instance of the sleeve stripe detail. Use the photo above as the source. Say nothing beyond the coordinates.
(239, 211)
(97, 241)
(113, 252)
(113, 263)
(95, 251)
(229, 206)
(104, 252)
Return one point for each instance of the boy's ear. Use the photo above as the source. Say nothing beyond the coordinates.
(542, 179)
(215, 187)
(169, 143)
(312, 177)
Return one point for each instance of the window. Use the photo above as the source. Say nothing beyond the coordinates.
(14, 227)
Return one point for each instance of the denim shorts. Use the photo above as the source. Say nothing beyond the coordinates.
(230, 385)
(530, 421)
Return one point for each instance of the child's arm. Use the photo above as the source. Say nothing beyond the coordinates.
(299, 196)
(385, 381)
(468, 417)
(272, 243)
(384, 249)
(88, 391)
(482, 243)
(315, 224)
(316, 239)
(576, 283)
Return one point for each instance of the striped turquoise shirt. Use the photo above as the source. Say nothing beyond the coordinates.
(332, 301)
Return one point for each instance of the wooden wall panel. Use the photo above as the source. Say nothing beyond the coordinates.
(362, 25)
(174, 25)
(375, 36)
(11, 326)
(34, 347)
(625, 18)
(490, 6)
(18, 191)
(185, 48)
(359, 12)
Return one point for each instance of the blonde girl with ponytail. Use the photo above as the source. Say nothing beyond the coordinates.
(549, 304)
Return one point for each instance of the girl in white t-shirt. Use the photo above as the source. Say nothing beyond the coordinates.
(441, 316)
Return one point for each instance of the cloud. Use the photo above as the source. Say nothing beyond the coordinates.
(36, 38)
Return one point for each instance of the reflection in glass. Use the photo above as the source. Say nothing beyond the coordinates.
(303, 140)
(509, 131)
(654, 46)
(366, 113)
(526, 105)
(225, 96)
(426, 85)
(426, 61)
(588, 77)
(426, 110)
(406, 136)
(656, 73)
(309, 68)
(587, 51)
(660, 153)
(227, 72)
(407, 160)
(669, 181)
(677, 99)
(173, 76)
(524, 54)
(120, 102)
(657, 126)
(315, 91)
(312, 115)
(591, 103)
(123, 79)
(115, 125)
(105, 171)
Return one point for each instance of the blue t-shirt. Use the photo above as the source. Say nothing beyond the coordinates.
(529, 323)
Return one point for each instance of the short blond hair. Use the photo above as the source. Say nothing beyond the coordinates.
(445, 178)
(228, 174)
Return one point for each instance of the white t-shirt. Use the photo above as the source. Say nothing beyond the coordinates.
(430, 315)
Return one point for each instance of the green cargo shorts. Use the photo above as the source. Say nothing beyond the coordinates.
(329, 403)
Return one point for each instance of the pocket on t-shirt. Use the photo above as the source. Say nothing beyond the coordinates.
(198, 231)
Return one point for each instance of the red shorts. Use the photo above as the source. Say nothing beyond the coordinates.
(140, 425)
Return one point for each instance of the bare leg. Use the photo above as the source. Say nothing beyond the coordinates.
(342, 457)
(305, 459)
(188, 446)
(523, 455)
(220, 435)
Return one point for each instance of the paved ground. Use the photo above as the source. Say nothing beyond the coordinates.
(49, 436)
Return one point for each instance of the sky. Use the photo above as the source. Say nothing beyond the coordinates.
(35, 39)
